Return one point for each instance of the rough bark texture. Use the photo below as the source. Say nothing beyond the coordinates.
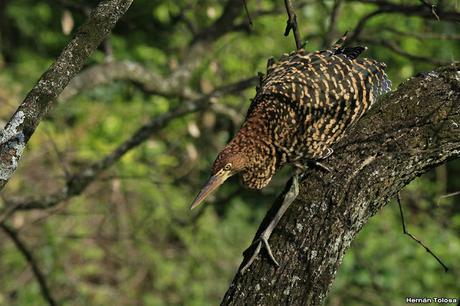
(29, 114)
(408, 132)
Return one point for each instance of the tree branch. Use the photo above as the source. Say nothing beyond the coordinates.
(422, 10)
(78, 182)
(27, 254)
(423, 36)
(222, 25)
(292, 24)
(396, 49)
(106, 73)
(384, 7)
(333, 19)
(407, 133)
(25, 120)
(405, 232)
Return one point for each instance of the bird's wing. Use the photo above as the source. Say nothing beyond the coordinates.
(325, 81)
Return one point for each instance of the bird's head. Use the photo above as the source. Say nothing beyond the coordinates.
(228, 163)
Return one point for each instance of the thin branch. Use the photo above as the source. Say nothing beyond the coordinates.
(396, 49)
(446, 269)
(423, 36)
(335, 12)
(106, 73)
(292, 24)
(245, 25)
(247, 12)
(385, 7)
(362, 23)
(25, 120)
(78, 182)
(221, 26)
(449, 195)
(432, 7)
(27, 254)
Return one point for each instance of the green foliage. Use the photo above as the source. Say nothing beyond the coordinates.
(130, 238)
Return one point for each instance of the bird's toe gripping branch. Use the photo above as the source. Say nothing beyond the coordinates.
(256, 247)
(262, 240)
(315, 162)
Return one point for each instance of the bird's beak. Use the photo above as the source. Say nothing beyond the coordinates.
(212, 184)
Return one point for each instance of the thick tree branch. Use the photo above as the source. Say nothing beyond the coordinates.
(27, 254)
(29, 114)
(409, 132)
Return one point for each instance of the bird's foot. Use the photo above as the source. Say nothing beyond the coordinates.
(257, 245)
(328, 153)
(325, 154)
(262, 240)
(321, 165)
(301, 168)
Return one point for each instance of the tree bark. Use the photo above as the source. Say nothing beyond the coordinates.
(408, 132)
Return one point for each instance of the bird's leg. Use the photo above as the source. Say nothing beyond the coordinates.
(328, 153)
(262, 240)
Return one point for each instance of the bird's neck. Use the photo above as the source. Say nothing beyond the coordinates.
(253, 141)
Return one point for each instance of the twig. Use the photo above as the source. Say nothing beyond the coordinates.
(432, 7)
(292, 24)
(361, 24)
(60, 158)
(396, 49)
(446, 269)
(423, 36)
(328, 37)
(46, 293)
(423, 10)
(223, 25)
(447, 196)
(385, 7)
(247, 12)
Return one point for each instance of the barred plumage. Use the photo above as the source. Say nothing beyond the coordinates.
(303, 106)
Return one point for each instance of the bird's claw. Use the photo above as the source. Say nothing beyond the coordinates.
(322, 166)
(260, 242)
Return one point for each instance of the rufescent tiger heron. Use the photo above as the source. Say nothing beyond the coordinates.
(303, 105)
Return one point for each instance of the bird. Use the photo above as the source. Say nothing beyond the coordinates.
(303, 105)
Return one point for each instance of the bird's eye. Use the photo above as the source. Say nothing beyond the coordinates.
(228, 167)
